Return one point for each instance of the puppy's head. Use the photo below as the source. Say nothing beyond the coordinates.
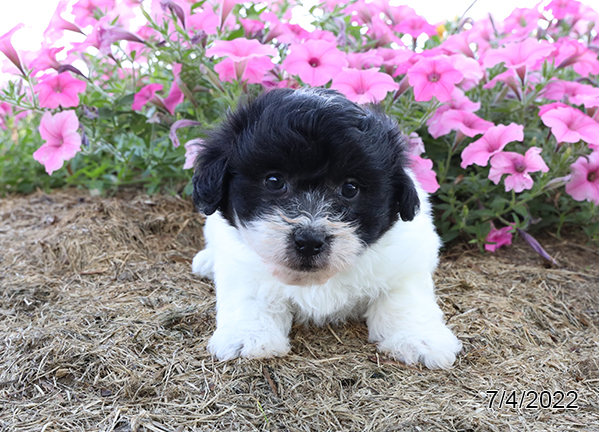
(308, 178)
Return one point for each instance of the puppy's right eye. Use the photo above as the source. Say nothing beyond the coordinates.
(274, 182)
(349, 190)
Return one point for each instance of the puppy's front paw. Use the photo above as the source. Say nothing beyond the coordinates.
(227, 344)
(435, 347)
(203, 264)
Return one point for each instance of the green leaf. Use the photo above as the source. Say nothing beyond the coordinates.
(235, 34)
(126, 101)
(522, 211)
(449, 236)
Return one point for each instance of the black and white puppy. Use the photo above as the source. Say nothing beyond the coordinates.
(314, 215)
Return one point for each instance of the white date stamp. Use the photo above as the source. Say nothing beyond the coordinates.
(532, 399)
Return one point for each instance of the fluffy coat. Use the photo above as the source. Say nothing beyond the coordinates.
(314, 216)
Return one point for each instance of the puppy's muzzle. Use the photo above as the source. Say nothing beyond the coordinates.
(309, 243)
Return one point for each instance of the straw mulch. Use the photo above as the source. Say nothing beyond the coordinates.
(103, 327)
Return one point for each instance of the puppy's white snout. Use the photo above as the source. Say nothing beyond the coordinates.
(309, 243)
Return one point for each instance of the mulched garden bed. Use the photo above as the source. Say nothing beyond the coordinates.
(104, 327)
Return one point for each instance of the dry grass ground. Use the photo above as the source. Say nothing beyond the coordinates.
(103, 327)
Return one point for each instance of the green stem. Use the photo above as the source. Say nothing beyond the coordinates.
(429, 112)
(443, 176)
(512, 206)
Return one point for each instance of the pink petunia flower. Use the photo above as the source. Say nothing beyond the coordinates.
(161, 9)
(403, 60)
(470, 68)
(240, 51)
(8, 112)
(514, 79)
(481, 34)
(8, 50)
(433, 77)
(145, 95)
(226, 6)
(254, 71)
(175, 95)
(522, 21)
(103, 35)
(517, 167)
(492, 142)
(396, 13)
(579, 94)
(251, 26)
(571, 125)
(294, 33)
(365, 60)
(460, 102)
(519, 56)
(205, 20)
(560, 9)
(62, 140)
(574, 92)
(62, 89)
(415, 26)
(548, 107)
(570, 52)
(177, 10)
(497, 238)
(380, 32)
(315, 61)
(415, 145)
(423, 170)
(183, 123)
(318, 34)
(585, 17)
(584, 184)
(361, 12)
(589, 100)
(85, 10)
(277, 29)
(458, 44)
(45, 59)
(108, 34)
(5, 113)
(192, 150)
(58, 24)
(364, 86)
(393, 58)
(466, 122)
(510, 78)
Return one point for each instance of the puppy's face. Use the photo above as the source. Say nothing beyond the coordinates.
(308, 178)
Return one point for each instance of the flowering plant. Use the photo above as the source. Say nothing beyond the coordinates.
(501, 118)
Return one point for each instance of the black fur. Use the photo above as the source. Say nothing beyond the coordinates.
(317, 140)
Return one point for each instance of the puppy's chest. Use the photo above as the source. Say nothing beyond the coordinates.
(321, 304)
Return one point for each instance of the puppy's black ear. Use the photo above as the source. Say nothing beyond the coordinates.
(406, 195)
(210, 179)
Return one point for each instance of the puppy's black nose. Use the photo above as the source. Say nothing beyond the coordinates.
(309, 243)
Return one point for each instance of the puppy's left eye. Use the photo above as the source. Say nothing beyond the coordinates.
(274, 182)
(349, 190)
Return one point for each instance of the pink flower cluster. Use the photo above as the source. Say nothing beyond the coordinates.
(383, 61)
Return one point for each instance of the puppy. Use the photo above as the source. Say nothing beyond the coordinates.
(314, 216)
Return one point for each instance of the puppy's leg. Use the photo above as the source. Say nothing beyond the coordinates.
(408, 324)
(249, 323)
(203, 264)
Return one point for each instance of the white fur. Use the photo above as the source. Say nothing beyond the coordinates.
(269, 237)
(390, 285)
